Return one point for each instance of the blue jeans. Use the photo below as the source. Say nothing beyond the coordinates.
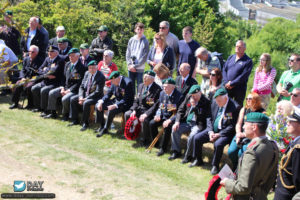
(138, 76)
(234, 152)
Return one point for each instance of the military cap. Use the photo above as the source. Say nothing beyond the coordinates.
(221, 91)
(52, 48)
(84, 46)
(114, 74)
(256, 117)
(62, 40)
(60, 28)
(9, 12)
(295, 116)
(195, 89)
(169, 81)
(73, 50)
(150, 72)
(93, 62)
(103, 28)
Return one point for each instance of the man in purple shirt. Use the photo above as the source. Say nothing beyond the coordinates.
(236, 72)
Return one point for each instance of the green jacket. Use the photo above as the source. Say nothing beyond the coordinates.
(257, 171)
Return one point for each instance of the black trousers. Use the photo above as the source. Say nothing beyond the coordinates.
(167, 133)
(18, 92)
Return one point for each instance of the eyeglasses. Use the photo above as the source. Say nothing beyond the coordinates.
(157, 38)
(294, 60)
(162, 27)
(213, 74)
(294, 95)
(248, 99)
(31, 51)
(263, 60)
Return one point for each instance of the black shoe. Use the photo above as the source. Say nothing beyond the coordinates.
(36, 110)
(13, 106)
(214, 170)
(65, 117)
(175, 155)
(28, 107)
(84, 127)
(196, 163)
(73, 123)
(186, 160)
(43, 114)
(161, 152)
(102, 132)
(53, 115)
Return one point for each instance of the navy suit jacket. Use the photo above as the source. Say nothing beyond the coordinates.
(96, 89)
(74, 78)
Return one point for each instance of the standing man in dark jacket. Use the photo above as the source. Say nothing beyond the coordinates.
(52, 75)
(73, 74)
(145, 105)
(90, 91)
(236, 72)
(118, 100)
(31, 65)
(100, 44)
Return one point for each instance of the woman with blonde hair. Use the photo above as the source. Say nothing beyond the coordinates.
(162, 73)
(160, 52)
(239, 143)
(264, 78)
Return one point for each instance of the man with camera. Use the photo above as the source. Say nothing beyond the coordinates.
(290, 79)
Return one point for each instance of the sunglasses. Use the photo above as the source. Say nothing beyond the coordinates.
(294, 60)
(162, 27)
(157, 38)
(213, 74)
(248, 98)
(294, 95)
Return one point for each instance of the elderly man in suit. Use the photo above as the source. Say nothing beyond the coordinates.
(118, 100)
(288, 180)
(220, 131)
(257, 167)
(185, 81)
(90, 90)
(169, 100)
(193, 116)
(74, 72)
(145, 104)
(52, 75)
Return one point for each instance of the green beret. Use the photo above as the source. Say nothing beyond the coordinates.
(93, 62)
(73, 50)
(103, 28)
(84, 46)
(169, 81)
(114, 74)
(9, 12)
(195, 89)
(150, 72)
(256, 117)
(62, 40)
(221, 91)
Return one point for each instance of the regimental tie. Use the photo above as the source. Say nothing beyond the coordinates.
(216, 124)
(89, 86)
(182, 83)
(72, 67)
(190, 116)
(145, 91)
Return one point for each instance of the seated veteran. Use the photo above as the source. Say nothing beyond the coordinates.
(90, 90)
(64, 48)
(85, 57)
(145, 105)
(220, 131)
(192, 116)
(51, 75)
(74, 72)
(117, 100)
(165, 115)
(184, 82)
(257, 168)
(31, 64)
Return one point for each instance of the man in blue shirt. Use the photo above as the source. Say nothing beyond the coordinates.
(236, 72)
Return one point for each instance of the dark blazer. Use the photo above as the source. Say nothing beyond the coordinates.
(123, 95)
(202, 113)
(186, 87)
(37, 40)
(64, 54)
(164, 100)
(30, 68)
(74, 78)
(228, 121)
(55, 68)
(11, 38)
(53, 41)
(140, 103)
(96, 89)
(293, 166)
(86, 62)
(167, 59)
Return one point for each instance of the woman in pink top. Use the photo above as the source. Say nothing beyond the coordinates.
(264, 78)
(106, 66)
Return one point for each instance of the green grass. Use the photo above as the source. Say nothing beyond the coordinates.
(81, 166)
